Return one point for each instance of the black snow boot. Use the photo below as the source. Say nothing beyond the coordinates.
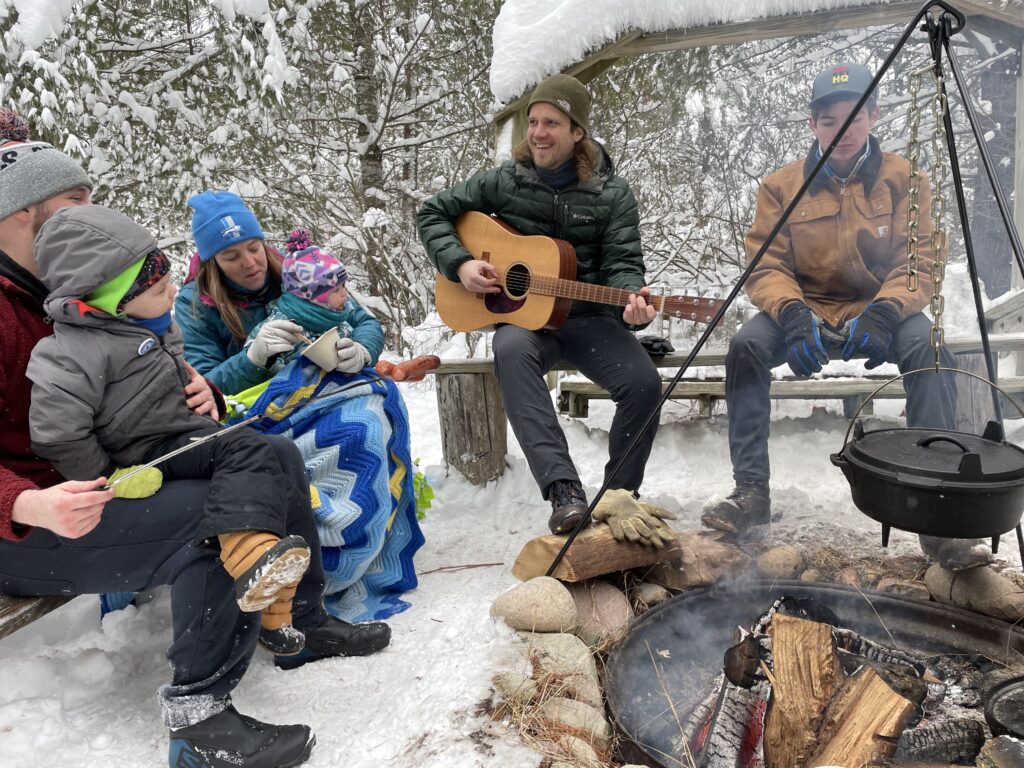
(231, 740)
(338, 638)
(568, 505)
(745, 512)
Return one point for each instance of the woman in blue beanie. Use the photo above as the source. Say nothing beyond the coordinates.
(368, 534)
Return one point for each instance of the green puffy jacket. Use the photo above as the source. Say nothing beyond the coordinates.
(598, 218)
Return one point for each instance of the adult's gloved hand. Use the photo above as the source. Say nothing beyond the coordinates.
(273, 338)
(871, 333)
(352, 356)
(804, 351)
(633, 520)
(139, 486)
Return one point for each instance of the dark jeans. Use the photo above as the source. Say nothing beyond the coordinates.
(760, 345)
(140, 544)
(607, 354)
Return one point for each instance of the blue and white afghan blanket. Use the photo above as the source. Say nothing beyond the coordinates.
(356, 447)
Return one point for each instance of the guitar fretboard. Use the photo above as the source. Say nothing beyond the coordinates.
(690, 307)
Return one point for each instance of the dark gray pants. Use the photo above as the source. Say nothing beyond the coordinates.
(760, 345)
(606, 353)
(144, 543)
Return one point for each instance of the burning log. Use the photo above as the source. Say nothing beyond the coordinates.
(806, 674)
(863, 722)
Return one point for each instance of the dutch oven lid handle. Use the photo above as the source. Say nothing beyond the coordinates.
(924, 442)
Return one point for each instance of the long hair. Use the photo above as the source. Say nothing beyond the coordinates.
(210, 283)
(587, 155)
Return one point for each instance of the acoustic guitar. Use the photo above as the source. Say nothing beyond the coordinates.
(537, 276)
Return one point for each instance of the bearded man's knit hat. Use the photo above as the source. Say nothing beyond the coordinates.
(308, 271)
(32, 171)
(220, 220)
(567, 94)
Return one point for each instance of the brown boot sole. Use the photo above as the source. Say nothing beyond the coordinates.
(284, 571)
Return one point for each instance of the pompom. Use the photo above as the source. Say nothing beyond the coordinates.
(298, 239)
(13, 127)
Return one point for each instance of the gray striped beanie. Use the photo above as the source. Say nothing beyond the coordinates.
(33, 171)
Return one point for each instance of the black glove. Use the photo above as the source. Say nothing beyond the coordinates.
(871, 333)
(804, 351)
(655, 345)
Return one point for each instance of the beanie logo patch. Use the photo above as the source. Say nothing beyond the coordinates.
(565, 105)
(231, 230)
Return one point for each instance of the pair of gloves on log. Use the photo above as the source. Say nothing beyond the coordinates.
(633, 520)
(808, 339)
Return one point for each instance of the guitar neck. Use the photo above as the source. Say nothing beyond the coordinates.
(618, 297)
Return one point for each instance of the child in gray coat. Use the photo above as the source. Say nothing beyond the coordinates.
(108, 392)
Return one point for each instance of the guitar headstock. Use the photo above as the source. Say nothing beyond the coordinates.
(698, 309)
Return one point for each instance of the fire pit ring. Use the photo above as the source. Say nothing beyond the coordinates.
(675, 650)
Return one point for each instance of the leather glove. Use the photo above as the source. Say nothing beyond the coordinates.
(871, 333)
(352, 356)
(655, 345)
(139, 486)
(633, 520)
(804, 351)
(273, 338)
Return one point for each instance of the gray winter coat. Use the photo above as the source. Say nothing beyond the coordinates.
(105, 390)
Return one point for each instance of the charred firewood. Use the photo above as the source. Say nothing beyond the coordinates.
(955, 742)
(743, 661)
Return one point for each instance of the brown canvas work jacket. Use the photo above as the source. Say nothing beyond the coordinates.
(844, 245)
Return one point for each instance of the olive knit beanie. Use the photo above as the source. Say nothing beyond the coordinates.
(567, 94)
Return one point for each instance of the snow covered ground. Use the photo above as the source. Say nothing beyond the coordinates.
(75, 693)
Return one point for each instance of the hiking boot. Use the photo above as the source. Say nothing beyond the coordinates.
(338, 638)
(568, 505)
(745, 512)
(283, 641)
(279, 567)
(231, 740)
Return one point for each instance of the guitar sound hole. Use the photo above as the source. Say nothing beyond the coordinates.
(517, 281)
(517, 286)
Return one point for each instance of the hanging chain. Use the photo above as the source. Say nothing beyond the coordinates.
(914, 156)
(938, 208)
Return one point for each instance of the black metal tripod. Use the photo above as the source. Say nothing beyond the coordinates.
(940, 29)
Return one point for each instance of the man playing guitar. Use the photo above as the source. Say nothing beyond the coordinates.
(561, 184)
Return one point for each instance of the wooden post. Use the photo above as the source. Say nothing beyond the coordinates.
(474, 431)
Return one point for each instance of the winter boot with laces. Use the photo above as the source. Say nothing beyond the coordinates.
(232, 740)
(745, 512)
(568, 505)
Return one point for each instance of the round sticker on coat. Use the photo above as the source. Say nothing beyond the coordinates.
(145, 346)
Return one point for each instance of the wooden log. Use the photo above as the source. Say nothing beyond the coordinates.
(807, 674)
(595, 552)
(474, 431)
(16, 612)
(862, 723)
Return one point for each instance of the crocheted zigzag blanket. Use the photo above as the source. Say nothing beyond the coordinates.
(356, 447)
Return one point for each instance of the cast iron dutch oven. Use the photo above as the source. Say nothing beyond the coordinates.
(936, 482)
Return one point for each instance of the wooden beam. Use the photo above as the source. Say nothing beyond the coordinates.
(16, 612)
(1018, 156)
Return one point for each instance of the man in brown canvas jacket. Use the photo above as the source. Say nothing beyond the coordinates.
(832, 284)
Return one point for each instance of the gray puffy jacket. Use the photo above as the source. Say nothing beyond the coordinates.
(105, 390)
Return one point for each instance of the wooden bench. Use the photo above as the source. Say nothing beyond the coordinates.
(474, 432)
(575, 396)
(16, 612)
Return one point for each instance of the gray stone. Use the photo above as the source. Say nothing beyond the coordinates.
(582, 754)
(782, 562)
(602, 612)
(578, 718)
(516, 688)
(647, 595)
(568, 661)
(542, 604)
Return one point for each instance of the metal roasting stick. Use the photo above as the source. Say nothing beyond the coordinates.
(220, 433)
